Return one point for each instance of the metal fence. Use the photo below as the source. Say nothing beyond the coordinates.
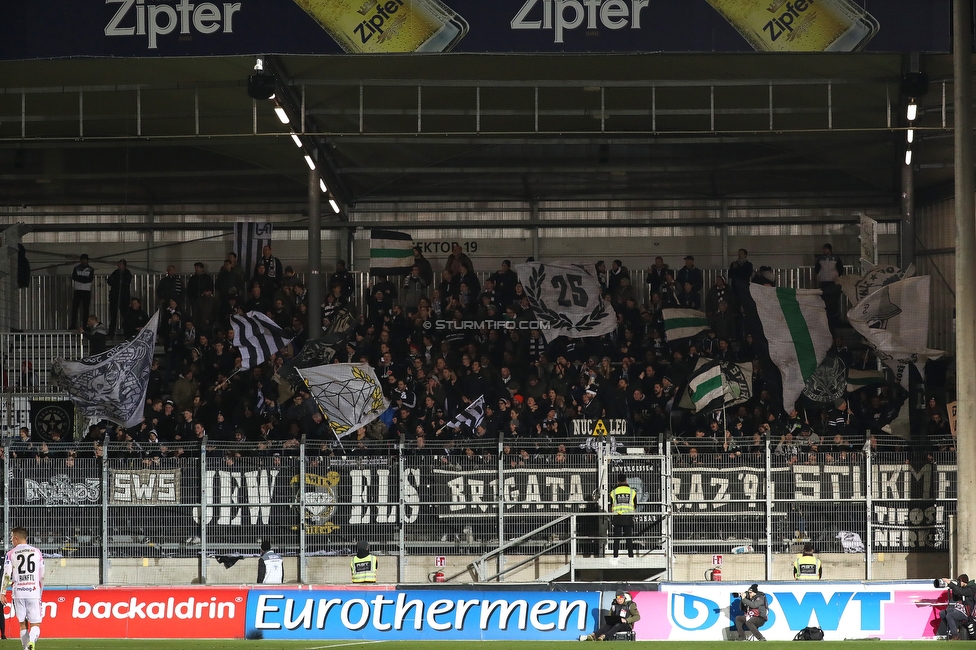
(121, 509)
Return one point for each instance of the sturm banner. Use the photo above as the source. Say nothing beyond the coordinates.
(135, 28)
(909, 504)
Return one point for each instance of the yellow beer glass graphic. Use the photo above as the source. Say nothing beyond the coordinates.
(800, 25)
(388, 26)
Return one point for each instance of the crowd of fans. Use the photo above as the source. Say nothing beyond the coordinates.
(533, 389)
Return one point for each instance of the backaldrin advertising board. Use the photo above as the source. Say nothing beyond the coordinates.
(120, 613)
(844, 610)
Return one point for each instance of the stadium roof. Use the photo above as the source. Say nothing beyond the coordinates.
(476, 127)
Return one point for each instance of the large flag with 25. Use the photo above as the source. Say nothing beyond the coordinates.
(111, 385)
(566, 297)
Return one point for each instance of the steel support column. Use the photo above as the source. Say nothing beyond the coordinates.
(965, 277)
(314, 326)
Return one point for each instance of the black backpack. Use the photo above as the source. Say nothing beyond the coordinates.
(809, 634)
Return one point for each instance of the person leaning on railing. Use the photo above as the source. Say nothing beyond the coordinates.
(807, 566)
(364, 565)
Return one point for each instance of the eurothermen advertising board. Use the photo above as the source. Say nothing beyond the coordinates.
(422, 614)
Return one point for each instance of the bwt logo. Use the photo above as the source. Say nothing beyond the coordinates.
(695, 613)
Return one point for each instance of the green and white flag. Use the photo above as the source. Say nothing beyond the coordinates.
(736, 384)
(794, 327)
(683, 323)
(858, 379)
(706, 386)
(390, 252)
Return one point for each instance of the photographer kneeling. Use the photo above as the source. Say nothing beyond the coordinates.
(962, 596)
(621, 618)
(756, 612)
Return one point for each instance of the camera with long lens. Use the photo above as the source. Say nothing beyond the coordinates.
(939, 583)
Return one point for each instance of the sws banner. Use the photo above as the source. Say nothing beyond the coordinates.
(136, 28)
(422, 615)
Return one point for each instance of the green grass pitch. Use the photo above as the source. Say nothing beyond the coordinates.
(514, 644)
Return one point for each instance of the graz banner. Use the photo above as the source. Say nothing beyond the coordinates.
(909, 504)
(132, 28)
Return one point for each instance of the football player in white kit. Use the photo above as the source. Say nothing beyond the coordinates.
(23, 571)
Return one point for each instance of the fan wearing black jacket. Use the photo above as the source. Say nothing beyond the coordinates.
(962, 596)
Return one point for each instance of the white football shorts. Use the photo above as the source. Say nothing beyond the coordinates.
(28, 609)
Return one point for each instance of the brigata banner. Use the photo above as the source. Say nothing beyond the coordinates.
(844, 610)
(149, 613)
(127, 28)
(422, 615)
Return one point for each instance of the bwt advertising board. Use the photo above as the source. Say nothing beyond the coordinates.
(422, 614)
(127, 28)
(691, 612)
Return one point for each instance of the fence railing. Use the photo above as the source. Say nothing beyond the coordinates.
(100, 503)
(46, 303)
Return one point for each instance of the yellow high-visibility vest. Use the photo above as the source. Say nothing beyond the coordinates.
(624, 500)
(363, 569)
(807, 567)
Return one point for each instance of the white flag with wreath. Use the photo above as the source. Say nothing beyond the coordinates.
(566, 298)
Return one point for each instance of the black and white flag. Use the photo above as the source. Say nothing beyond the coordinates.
(111, 385)
(470, 417)
(257, 337)
(566, 299)
(250, 238)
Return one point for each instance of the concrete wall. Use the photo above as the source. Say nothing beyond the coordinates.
(335, 570)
